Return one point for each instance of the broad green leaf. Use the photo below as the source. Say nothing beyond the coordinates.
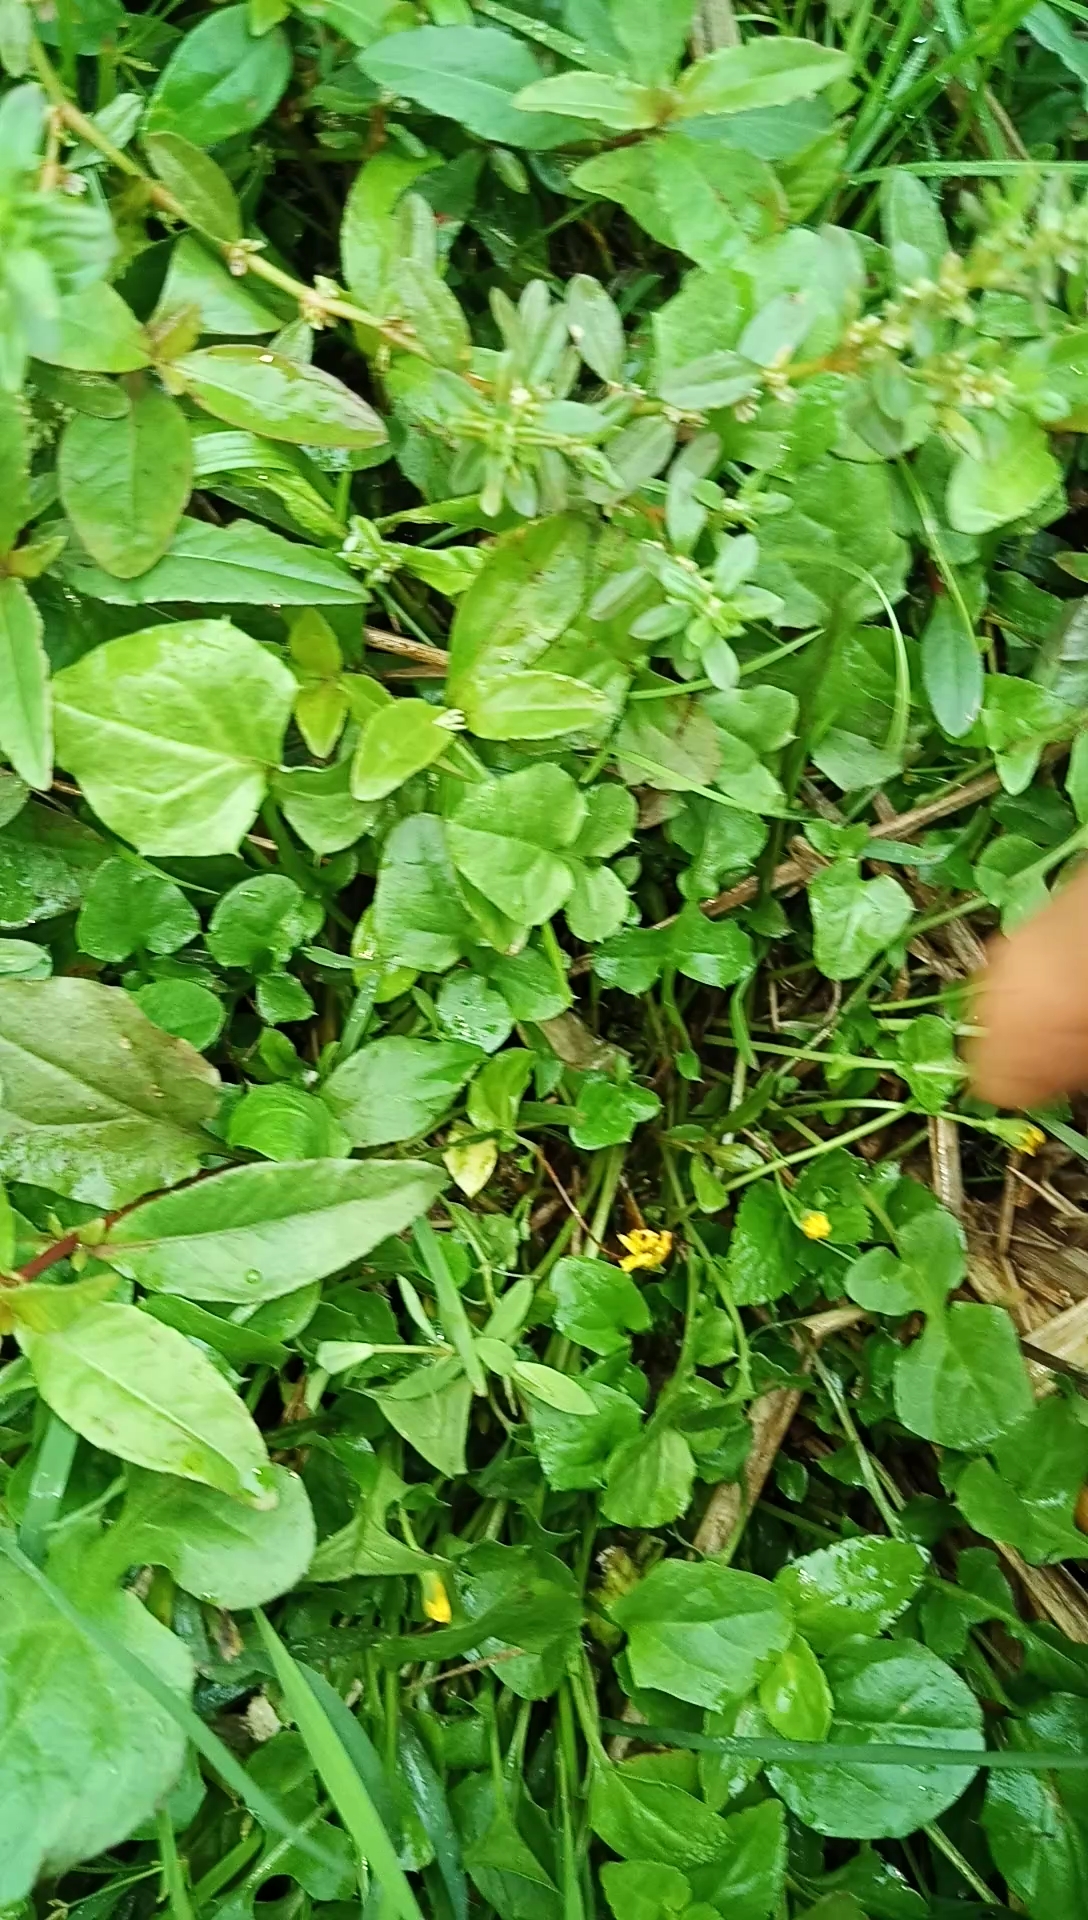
(698, 197)
(556, 1389)
(770, 72)
(608, 1112)
(397, 741)
(266, 393)
(644, 1890)
(1014, 473)
(525, 598)
(368, 232)
(198, 182)
(964, 1383)
(794, 1695)
(317, 803)
(854, 1588)
(763, 1261)
(952, 669)
(97, 1102)
(26, 721)
(420, 918)
(95, 333)
(184, 1008)
(596, 1304)
(46, 860)
(124, 482)
(256, 1232)
(596, 324)
(748, 1879)
(931, 1066)
(1037, 1823)
(130, 908)
(221, 80)
(703, 1632)
(258, 924)
(225, 304)
(854, 919)
(887, 1692)
(508, 837)
(649, 1479)
(536, 705)
(914, 230)
(93, 1754)
(472, 75)
(172, 732)
(1028, 1497)
(396, 1088)
(574, 1449)
(430, 1408)
(240, 564)
(226, 1554)
(138, 1389)
(653, 38)
(604, 98)
(645, 1819)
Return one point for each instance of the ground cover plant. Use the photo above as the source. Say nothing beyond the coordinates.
(541, 623)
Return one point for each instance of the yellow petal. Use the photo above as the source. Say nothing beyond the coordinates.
(436, 1601)
(815, 1226)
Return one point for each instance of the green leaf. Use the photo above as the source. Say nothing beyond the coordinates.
(852, 1589)
(241, 564)
(171, 733)
(125, 482)
(420, 918)
(97, 1102)
(649, 1479)
(769, 72)
(130, 909)
(652, 1820)
(397, 741)
(224, 1553)
(524, 599)
(430, 1409)
(748, 1879)
(698, 197)
(608, 1112)
(536, 706)
(45, 861)
(854, 919)
(964, 1383)
(259, 923)
(472, 75)
(702, 1631)
(184, 1008)
(138, 1389)
(914, 230)
(604, 98)
(94, 1755)
(95, 333)
(225, 304)
(253, 1233)
(596, 1304)
(717, 953)
(26, 722)
(643, 1890)
(396, 1088)
(556, 1389)
(198, 182)
(794, 1695)
(574, 1449)
(1036, 1823)
(596, 324)
(508, 836)
(1014, 473)
(886, 1693)
(1028, 1497)
(285, 1122)
(221, 80)
(763, 1261)
(266, 393)
(952, 669)
(931, 1066)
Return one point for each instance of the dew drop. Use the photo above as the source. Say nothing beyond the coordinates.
(253, 1277)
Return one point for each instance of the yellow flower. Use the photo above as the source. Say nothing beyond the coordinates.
(815, 1226)
(436, 1601)
(646, 1249)
(1031, 1139)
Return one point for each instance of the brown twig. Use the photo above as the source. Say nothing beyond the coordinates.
(436, 659)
